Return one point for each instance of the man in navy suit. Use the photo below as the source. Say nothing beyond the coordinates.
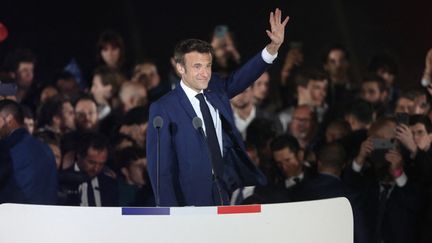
(28, 171)
(202, 156)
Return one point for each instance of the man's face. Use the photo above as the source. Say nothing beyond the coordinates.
(261, 87)
(25, 74)
(318, 91)
(243, 99)
(419, 132)
(301, 122)
(148, 73)
(288, 162)
(29, 124)
(337, 63)
(86, 115)
(111, 55)
(68, 116)
(421, 106)
(137, 132)
(94, 162)
(370, 92)
(136, 172)
(404, 105)
(100, 92)
(2, 126)
(196, 72)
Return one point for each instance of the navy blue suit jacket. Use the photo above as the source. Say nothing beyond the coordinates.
(32, 176)
(185, 166)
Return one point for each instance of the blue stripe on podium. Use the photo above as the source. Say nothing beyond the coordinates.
(145, 211)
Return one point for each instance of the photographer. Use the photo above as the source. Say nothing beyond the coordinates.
(392, 200)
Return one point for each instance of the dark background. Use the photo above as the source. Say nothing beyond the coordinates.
(58, 31)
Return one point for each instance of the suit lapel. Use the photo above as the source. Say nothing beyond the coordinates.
(216, 102)
(185, 103)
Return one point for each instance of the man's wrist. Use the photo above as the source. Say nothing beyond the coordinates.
(272, 48)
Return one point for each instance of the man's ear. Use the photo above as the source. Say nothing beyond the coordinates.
(125, 172)
(180, 68)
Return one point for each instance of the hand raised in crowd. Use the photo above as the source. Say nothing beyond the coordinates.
(293, 58)
(276, 32)
(394, 157)
(405, 136)
(365, 149)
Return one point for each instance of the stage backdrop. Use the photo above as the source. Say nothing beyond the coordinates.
(324, 221)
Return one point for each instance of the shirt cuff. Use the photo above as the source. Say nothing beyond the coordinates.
(267, 57)
(356, 167)
(401, 180)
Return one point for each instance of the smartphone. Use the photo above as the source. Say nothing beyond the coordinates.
(382, 144)
(8, 89)
(221, 31)
(402, 118)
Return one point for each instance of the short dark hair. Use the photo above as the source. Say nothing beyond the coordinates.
(17, 56)
(126, 156)
(422, 119)
(260, 131)
(361, 110)
(334, 47)
(13, 108)
(303, 78)
(332, 155)
(109, 77)
(383, 61)
(48, 110)
(93, 140)
(191, 45)
(285, 141)
(84, 97)
(137, 115)
(371, 77)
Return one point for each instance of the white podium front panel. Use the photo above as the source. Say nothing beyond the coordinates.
(324, 221)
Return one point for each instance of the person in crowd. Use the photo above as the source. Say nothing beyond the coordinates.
(405, 102)
(337, 130)
(146, 72)
(385, 66)
(89, 182)
(245, 111)
(111, 51)
(29, 172)
(53, 141)
(86, 115)
(56, 115)
(135, 123)
(374, 91)
(312, 91)
(392, 200)
(20, 65)
(29, 119)
(328, 184)
(206, 173)
(131, 95)
(105, 86)
(226, 56)
(303, 126)
(133, 183)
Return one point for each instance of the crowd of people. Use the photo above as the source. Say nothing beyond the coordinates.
(315, 133)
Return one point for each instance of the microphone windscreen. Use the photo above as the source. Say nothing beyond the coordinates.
(197, 123)
(157, 122)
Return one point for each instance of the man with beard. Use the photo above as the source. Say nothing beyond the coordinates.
(374, 91)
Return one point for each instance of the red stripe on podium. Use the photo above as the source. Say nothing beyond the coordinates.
(239, 209)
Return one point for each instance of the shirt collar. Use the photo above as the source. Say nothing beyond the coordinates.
(190, 93)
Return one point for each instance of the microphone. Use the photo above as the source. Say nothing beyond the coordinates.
(157, 124)
(198, 125)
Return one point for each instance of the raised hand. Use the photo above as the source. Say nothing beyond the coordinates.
(405, 136)
(276, 32)
(365, 150)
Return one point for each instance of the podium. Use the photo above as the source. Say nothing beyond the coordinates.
(324, 221)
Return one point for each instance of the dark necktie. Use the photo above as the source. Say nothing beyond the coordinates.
(212, 141)
(382, 205)
(90, 194)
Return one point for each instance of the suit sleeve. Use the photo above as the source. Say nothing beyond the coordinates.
(169, 188)
(245, 76)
